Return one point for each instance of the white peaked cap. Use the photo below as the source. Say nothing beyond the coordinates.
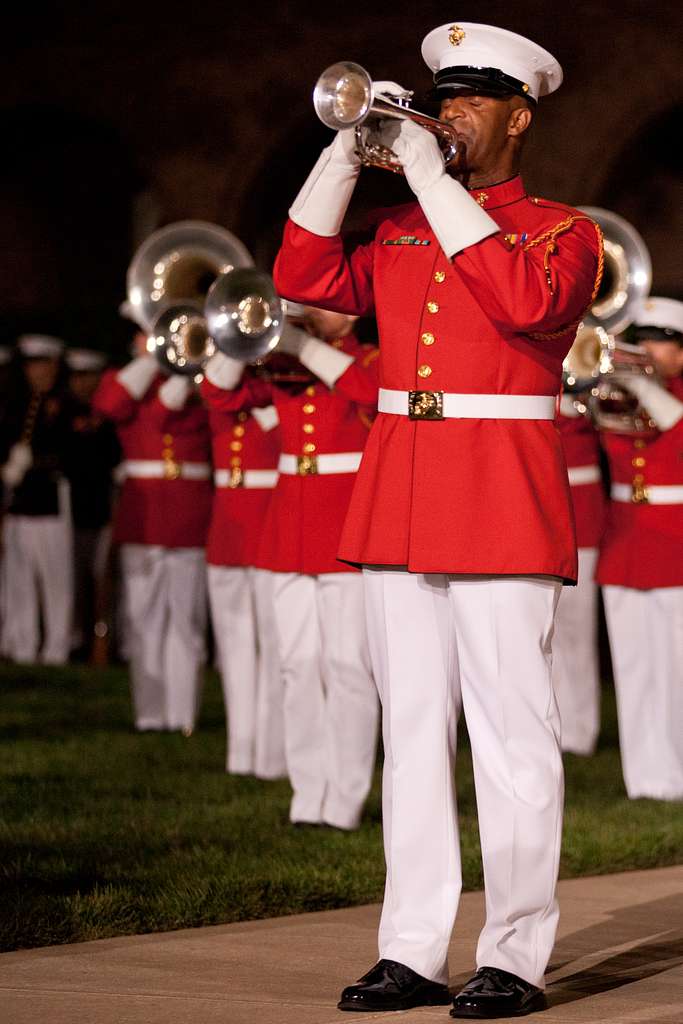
(40, 346)
(667, 314)
(5, 355)
(85, 359)
(474, 56)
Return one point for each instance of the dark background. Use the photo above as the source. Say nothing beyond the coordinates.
(120, 117)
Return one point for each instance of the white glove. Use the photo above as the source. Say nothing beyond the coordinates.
(174, 392)
(137, 376)
(292, 340)
(327, 363)
(19, 462)
(664, 408)
(390, 89)
(267, 417)
(224, 372)
(321, 204)
(456, 219)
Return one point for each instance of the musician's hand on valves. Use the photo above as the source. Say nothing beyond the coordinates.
(663, 407)
(224, 372)
(292, 340)
(418, 151)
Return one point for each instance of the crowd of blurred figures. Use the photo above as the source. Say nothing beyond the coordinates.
(151, 517)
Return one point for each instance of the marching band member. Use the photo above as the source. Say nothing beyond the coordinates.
(245, 454)
(461, 512)
(640, 566)
(576, 667)
(330, 704)
(38, 536)
(161, 524)
(93, 454)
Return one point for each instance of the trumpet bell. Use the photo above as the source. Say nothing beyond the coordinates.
(180, 340)
(627, 273)
(245, 315)
(343, 95)
(587, 358)
(178, 264)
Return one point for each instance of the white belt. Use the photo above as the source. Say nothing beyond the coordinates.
(249, 478)
(153, 469)
(657, 494)
(584, 475)
(437, 405)
(309, 465)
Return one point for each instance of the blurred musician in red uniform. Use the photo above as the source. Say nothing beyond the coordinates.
(246, 447)
(641, 568)
(161, 524)
(330, 704)
(576, 668)
(461, 513)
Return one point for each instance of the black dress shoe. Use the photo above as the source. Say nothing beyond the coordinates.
(495, 993)
(392, 986)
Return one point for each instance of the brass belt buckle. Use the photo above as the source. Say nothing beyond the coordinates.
(640, 495)
(171, 469)
(236, 477)
(425, 405)
(307, 465)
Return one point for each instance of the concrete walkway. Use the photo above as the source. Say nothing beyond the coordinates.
(618, 960)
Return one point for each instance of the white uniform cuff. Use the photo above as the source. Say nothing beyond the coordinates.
(456, 219)
(322, 202)
(174, 392)
(224, 372)
(137, 376)
(664, 408)
(266, 418)
(327, 363)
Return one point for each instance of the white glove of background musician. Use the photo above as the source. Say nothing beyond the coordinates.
(18, 464)
(663, 407)
(456, 219)
(327, 363)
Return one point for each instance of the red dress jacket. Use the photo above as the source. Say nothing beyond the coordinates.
(172, 513)
(305, 517)
(642, 546)
(467, 495)
(581, 445)
(240, 446)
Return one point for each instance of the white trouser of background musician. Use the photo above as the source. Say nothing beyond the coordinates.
(241, 605)
(330, 703)
(576, 664)
(165, 596)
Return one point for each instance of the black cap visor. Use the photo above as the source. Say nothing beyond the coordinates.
(482, 81)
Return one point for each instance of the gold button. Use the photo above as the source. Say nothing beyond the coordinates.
(424, 371)
(432, 306)
(310, 391)
(235, 446)
(427, 338)
(638, 478)
(167, 453)
(309, 408)
(639, 443)
(309, 447)
(167, 439)
(235, 461)
(242, 416)
(440, 276)
(638, 461)
(308, 428)
(238, 431)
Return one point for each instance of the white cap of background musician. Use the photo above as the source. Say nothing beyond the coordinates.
(664, 315)
(85, 360)
(40, 346)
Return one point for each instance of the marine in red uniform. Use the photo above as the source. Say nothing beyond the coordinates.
(330, 704)
(576, 668)
(161, 524)
(461, 513)
(641, 568)
(245, 453)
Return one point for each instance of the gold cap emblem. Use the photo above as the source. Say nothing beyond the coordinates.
(455, 35)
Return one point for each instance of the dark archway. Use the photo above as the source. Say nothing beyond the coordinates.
(68, 189)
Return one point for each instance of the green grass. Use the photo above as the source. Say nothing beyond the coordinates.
(104, 832)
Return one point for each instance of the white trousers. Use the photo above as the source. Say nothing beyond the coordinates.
(646, 640)
(241, 602)
(576, 665)
(38, 586)
(330, 702)
(437, 640)
(165, 597)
